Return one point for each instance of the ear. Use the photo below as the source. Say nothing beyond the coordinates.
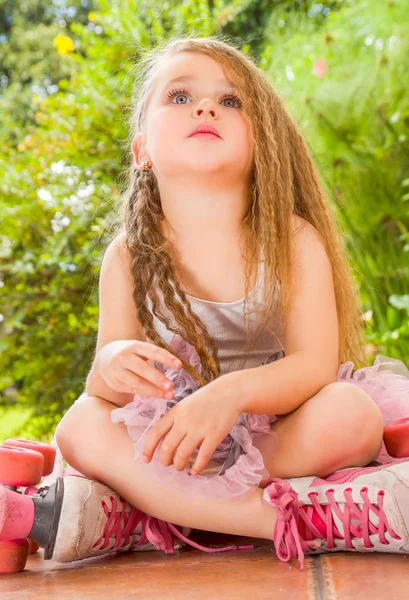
(138, 150)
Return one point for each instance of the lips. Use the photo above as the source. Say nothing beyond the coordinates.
(205, 134)
(205, 128)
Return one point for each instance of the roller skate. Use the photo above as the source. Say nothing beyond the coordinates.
(72, 519)
(23, 464)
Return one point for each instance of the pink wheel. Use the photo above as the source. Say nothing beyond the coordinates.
(45, 449)
(396, 438)
(32, 546)
(20, 467)
(13, 555)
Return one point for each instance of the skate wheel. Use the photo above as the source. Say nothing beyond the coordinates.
(396, 438)
(13, 555)
(32, 546)
(45, 449)
(20, 467)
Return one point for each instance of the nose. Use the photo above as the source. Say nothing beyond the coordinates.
(206, 105)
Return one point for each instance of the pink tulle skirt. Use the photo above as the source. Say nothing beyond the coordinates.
(236, 466)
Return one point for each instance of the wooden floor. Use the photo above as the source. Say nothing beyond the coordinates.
(190, 574)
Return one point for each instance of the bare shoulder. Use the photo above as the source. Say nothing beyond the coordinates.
(301, 225)
(119, 242)
(297, 222)
(120, 239)
(119, 248)
(306, 240)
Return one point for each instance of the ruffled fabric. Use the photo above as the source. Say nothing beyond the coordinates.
(236, 466)
(387, 382)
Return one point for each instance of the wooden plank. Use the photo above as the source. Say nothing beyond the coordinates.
(189, 574)
(374, 576)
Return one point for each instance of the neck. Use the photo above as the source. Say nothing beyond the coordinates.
(210, 214)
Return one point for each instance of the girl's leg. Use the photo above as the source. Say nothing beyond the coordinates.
(103, 450)
(339, 427)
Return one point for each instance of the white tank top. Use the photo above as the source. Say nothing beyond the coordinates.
(225, 323)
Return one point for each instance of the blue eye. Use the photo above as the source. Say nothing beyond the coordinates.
(182, 92)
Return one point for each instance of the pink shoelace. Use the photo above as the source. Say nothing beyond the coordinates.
(161, 534)
(287, 539)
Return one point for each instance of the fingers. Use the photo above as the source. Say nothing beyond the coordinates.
(170, 445)
(183, 454)
(205, 453)
(177, 449)
(138, 385)
(148, 372)
(144, 378)
(158, 431)
(153, 352)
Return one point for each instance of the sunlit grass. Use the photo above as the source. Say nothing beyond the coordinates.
(13, 421)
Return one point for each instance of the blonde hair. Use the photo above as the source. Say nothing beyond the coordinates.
(284, 181)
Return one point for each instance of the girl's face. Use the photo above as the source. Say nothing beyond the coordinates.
(177, 107)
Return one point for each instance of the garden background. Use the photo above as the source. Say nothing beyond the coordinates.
(65, 81)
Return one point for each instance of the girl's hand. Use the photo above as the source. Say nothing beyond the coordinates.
(202, 419)
(125, 368)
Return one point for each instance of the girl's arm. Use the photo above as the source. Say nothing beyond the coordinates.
(281, 386)
(117, 316)
(311, 338)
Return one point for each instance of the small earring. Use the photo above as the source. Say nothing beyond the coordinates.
(145, 166)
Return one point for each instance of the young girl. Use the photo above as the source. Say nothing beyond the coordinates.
(225, 213)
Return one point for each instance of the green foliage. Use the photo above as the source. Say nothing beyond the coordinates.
(345, 84)
(64, 104)
(29, 63)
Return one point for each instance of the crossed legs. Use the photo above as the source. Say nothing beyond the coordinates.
(338, 427)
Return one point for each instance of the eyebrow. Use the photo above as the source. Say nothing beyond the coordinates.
(191, 77)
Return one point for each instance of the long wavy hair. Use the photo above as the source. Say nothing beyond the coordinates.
(284, 181)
